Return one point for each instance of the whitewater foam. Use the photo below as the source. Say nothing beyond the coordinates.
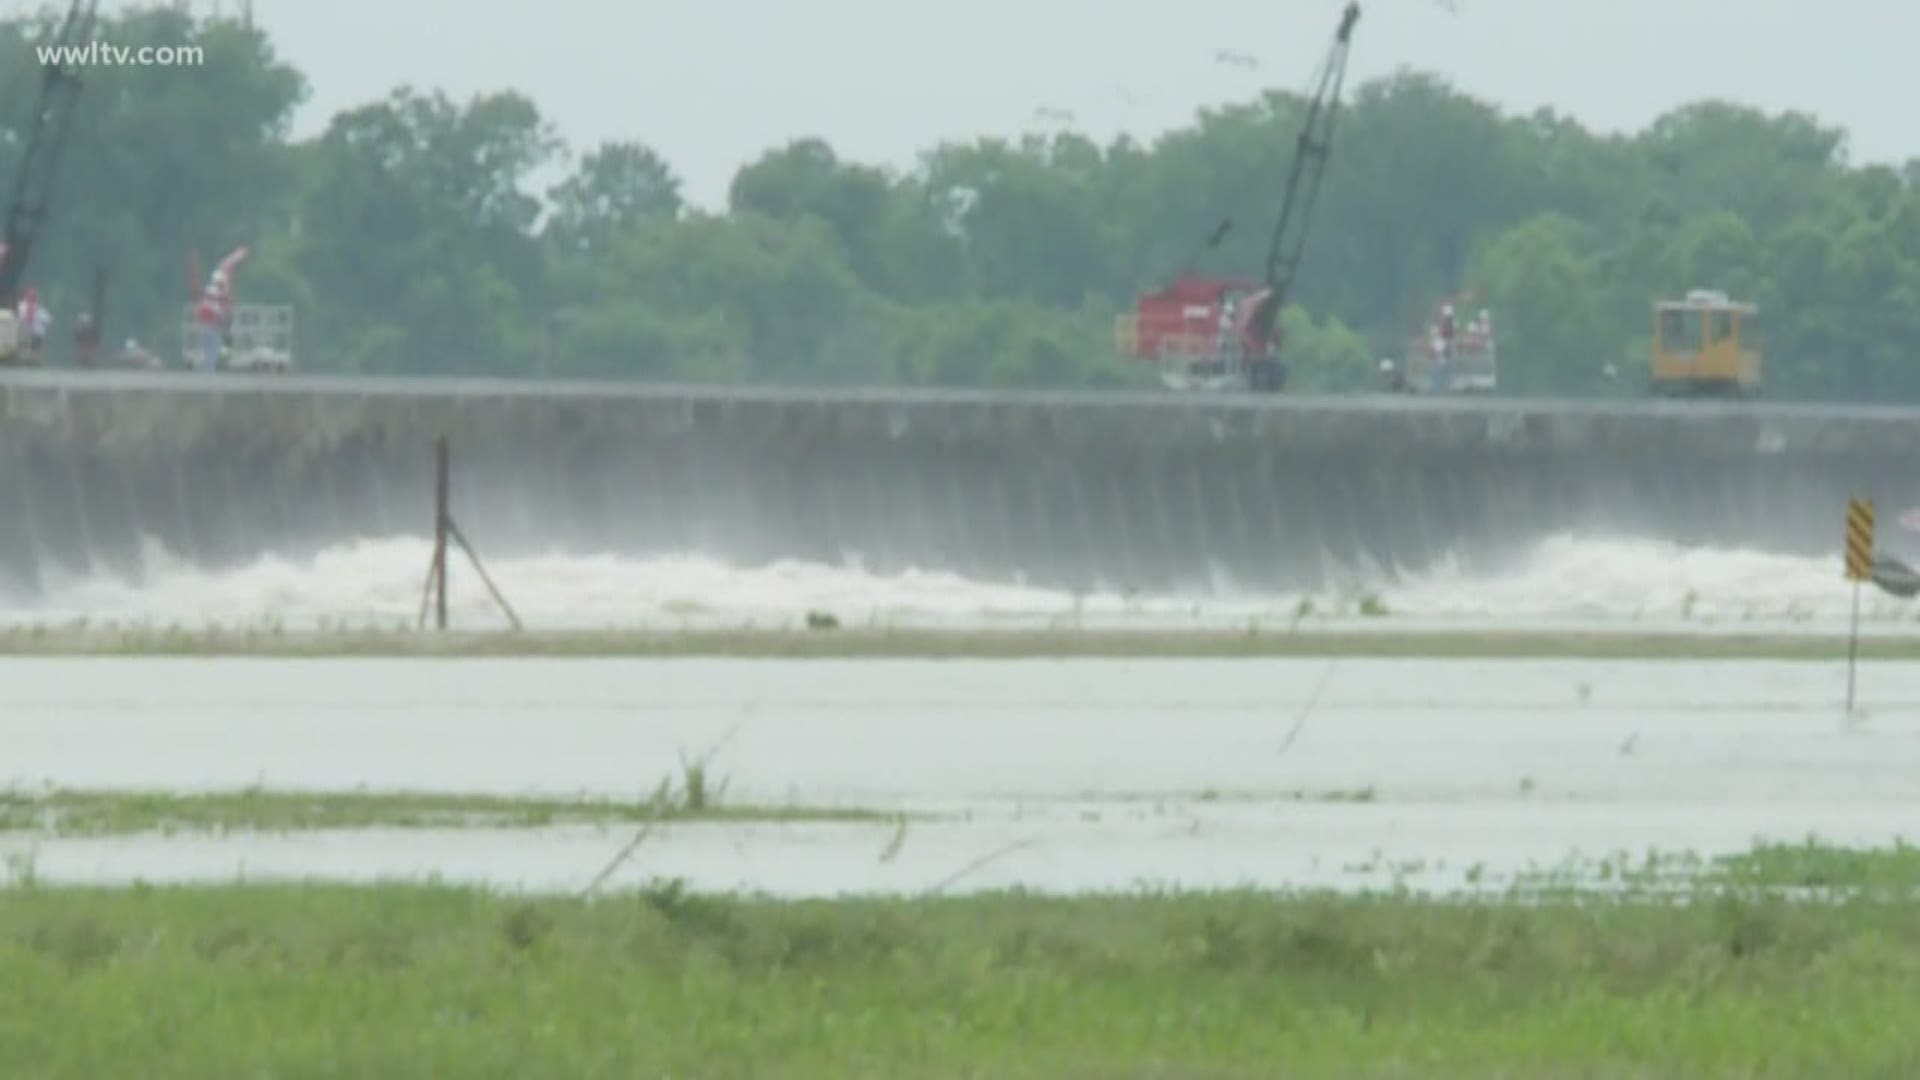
(1565, 581)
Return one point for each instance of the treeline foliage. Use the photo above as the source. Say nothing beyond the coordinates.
(422, 235)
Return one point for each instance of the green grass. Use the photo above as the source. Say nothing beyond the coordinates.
(82, 640)
(430, 982)
(100, 813)
(1819, 867)
(1811, 871)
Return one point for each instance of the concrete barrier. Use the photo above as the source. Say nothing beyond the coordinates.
(1146, 491)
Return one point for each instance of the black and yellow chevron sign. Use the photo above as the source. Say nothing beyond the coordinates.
(1859, 540)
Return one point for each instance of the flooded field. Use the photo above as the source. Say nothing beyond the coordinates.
(1068, 776)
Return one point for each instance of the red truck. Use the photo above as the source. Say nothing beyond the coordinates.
(1199, 330)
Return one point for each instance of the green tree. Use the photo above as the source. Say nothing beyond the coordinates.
(1421, 176)
(1767, 170)
(1011, 343)
(162, 162)
(1326, 357)
(892, 232)
(773, 301)
(1028, 231)
(1552, 336)
(416, 225)
(617, 188)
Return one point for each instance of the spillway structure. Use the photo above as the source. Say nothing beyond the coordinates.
(1153, 493)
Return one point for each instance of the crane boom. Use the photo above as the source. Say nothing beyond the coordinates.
(45, 140)
(1303, 181)
(1219, 332)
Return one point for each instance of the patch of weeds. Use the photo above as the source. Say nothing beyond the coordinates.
(525, 926)
(23, 867)
(697, 792)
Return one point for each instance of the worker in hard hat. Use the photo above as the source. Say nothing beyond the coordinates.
(1226, 344)
(35, 322)
(86, 340)
(210, 317)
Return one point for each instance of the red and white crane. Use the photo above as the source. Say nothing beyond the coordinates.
(1222, 332)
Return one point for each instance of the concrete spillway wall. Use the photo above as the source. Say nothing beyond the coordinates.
(1155, 492)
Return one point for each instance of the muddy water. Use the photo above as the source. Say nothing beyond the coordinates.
(1059, 775)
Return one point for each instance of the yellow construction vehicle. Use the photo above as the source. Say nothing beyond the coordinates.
(1706, 346)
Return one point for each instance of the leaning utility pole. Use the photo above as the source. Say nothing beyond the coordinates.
(445, 528)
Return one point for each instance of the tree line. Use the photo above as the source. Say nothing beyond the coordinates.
(411, 237)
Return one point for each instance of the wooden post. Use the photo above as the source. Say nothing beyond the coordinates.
(481, 569)
(445, 529)
(442, 518)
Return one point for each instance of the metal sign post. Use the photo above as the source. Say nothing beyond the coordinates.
(1859, 569)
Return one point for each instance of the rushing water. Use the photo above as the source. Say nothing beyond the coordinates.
(1563, 581)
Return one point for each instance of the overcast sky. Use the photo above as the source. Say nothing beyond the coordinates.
(713, 83)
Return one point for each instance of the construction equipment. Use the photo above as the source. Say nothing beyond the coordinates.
(1451, 356)
(1192, 330)
(257, 338)
(1706, 346)
(1218, 333)
(218, 334)
(42, 143)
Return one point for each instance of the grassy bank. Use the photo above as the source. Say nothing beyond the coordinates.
(83, 641)
(434, 982)
(63, 813)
